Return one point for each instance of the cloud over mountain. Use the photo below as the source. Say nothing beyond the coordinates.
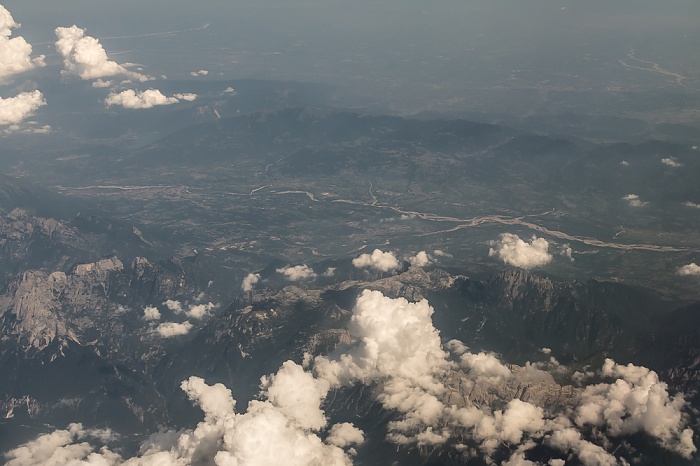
(442, 396)
(173, 329)
(378, 260)
(421, 259)
(297, 272)
(249, 282)
(516, 252)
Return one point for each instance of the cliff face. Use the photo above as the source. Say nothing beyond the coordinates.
(31, 241)
(39, 308)
(83, 330)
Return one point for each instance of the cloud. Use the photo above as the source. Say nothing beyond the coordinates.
(345, 434)
(671, 162)
(151, 313)
(15, 109)
(690, 269)
(60, 447)
(566, 251)
(200, 73)
(298, 395)
(692, 204)
(249, 282)
(173, 329)
(399, 350)
(398, 347)
(101, 84)
(30, 128)
(378, 260)
(199, 311)
(624, 163)
(194, 311)
(330, 271)
(634, 200)
(421, 259)
(84, 56)
(396, 338)
(230, 90)
(441, 253)
(174, 306)
(485, 365)
(139, 100)
(279, 428)
(476, 406)
(15, 53)
(189, 97)
(636, 402)
(298, 272)
(516, 252)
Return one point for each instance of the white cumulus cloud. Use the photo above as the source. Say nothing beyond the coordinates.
(200, 73)
(173, 305)
(690, 269)
(173, 329)
(636, 402)
(396, 338)
(421, 259)
(441, 253)
(139, 100)
(345, 434)
(297, 272)
(378, 260)
(151, 313)
(514, 251)
(199, 311)
(84, 56)
(15, 52)
(61, 447)
(249, 282)
(14, 110)
(435, 401)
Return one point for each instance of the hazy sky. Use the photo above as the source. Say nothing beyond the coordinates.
(399, 51)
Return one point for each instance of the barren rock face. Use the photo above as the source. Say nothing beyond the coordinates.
(34, 310)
